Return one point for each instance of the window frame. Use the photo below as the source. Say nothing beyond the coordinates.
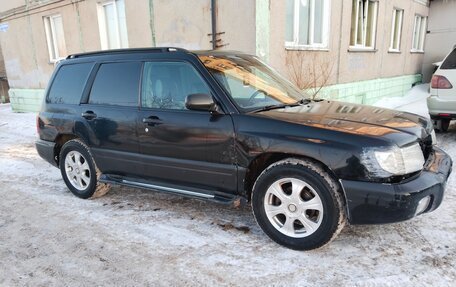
(325, 27)
(51, 38)
(399, 30)
(102, 26)
(421, 35)
(363, 46)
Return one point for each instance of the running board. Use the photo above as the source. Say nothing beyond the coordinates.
(167, 189)
(235, 200)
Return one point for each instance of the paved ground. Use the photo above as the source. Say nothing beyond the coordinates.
(132, 237)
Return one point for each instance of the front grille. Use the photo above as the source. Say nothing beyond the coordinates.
(426, 146)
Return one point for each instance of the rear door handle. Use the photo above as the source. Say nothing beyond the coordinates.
(89, 115)
(152, 121)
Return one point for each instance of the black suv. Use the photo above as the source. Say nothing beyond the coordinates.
(223, 126)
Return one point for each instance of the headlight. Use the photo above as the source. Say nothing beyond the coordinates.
(434, 138)
(394, 160)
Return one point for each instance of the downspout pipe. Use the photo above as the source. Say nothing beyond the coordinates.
(214, 24)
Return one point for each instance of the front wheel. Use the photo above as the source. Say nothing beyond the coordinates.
(79, 171)
(298, 204)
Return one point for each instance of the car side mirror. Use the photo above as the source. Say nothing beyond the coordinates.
(200, 102)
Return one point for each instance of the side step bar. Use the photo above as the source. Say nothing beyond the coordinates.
(235, 200)
(168, 189)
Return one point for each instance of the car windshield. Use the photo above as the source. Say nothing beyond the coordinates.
(251, 83)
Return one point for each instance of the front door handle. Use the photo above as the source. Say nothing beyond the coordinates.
(89, 115)
(152, 121)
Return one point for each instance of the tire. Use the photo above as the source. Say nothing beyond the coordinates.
(445, 125)
(79, 171)
(298, 204)
(442, 125)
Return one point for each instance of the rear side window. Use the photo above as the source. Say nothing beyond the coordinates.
(69, 84)
(450, 61)
(116, 84)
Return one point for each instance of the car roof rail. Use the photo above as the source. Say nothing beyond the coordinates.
(125, 51)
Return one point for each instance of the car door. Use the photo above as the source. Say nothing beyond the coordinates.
(108, 117)
(180, 146)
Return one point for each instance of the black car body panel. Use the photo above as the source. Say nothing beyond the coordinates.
(215, 151)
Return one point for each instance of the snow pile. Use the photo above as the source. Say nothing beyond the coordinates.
(414, 101)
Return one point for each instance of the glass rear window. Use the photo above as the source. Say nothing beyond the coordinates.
(450, 61)
(69, 84)
(116, 84)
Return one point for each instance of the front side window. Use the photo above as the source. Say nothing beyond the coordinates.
(419, 32)
(396, 28)
(251, 83)
(69, 83)
(307, 23)
(55, 37)
(364, 23)
(165, 85)
(116, 84)
(112, 24)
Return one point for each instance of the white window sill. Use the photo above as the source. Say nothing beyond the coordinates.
(362, 49)
(416, 51)
(393, 51)
(306, 48)
(55, 61)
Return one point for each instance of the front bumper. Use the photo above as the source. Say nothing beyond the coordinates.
(376, 203)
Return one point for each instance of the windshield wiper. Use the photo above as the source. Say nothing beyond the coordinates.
(281, 106)
(273, 107)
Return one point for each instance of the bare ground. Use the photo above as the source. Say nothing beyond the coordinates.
(130, 237)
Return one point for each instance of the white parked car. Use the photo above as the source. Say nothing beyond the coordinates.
(442, 101)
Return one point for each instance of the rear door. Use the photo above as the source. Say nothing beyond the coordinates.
(108, 117)
(448, 70)
(179, 146)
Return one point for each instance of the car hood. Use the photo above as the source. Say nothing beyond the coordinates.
(353, 118)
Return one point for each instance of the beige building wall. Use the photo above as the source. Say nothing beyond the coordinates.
(6, 5)
(348, 65)
(236, 18)
(185, 24)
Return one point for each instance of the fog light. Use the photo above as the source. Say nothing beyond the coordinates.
(423, 204)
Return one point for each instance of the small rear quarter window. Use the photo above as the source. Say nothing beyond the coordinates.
(69, 84)
(450, 61)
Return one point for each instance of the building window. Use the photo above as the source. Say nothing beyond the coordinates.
(419, 32)
(55, 37)
(395, 44)
(113, 25)
(307, 23)
(364, 24)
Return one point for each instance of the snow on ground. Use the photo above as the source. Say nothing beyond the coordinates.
(414, 101)
(134, 237)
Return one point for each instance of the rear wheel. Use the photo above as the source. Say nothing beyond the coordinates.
(298, 205)
(442, 125)
(79, 171)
